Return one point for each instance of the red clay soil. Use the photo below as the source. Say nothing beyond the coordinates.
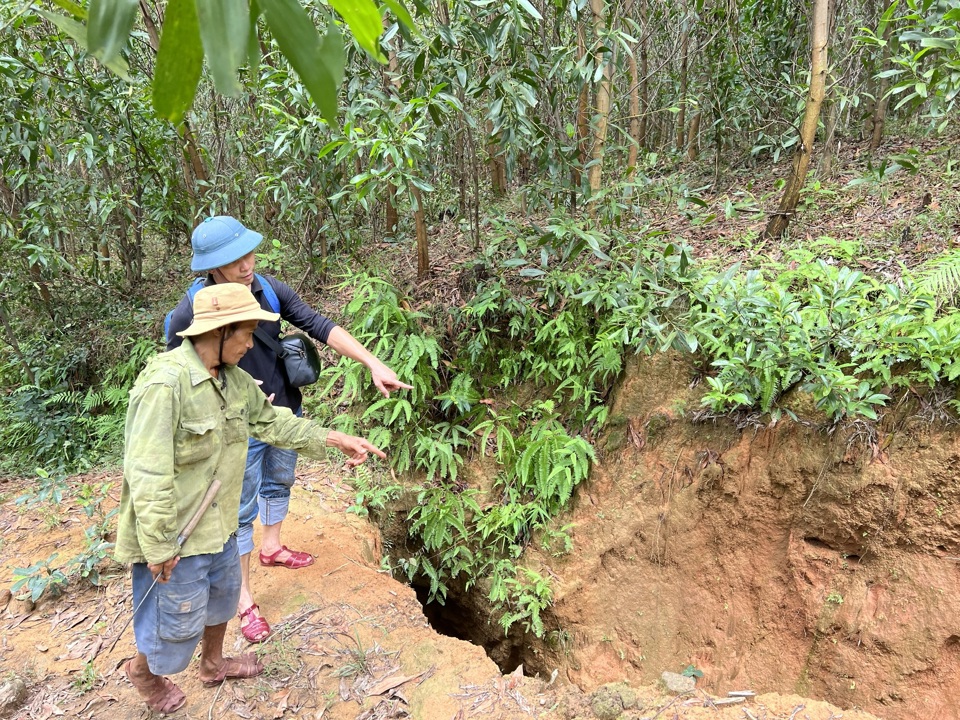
(782, 559)
(348, 642)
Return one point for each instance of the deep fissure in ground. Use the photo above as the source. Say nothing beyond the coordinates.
(460, 616)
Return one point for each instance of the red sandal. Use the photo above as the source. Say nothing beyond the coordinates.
(295, 559)
(257, 629)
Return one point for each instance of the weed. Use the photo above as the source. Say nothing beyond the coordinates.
(87, 679)
(358, 662)
(835, 598)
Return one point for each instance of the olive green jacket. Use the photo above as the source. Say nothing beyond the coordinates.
(184, 428)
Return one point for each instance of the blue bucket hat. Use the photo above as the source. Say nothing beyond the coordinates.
(220, 240)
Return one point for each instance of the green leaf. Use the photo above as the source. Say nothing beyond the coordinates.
(72, 8)
(365, 23)
(118, 66)
(318, 63)
(109, 27)
(225, 29)
(402, 14)
(531, 10)
(253, 39)
(179, 61)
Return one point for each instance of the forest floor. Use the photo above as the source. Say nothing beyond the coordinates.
(348, 640)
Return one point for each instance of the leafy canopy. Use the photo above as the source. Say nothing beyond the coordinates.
(226, 33)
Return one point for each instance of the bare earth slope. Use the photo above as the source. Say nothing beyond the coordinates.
(349, 641)
(783, 558)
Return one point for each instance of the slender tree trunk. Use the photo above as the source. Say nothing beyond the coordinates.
(819, 37)
(879, 117)
(634, 151)
(829, 140)
(390, 83)
(498, 183)
(582, 124)
(423, 250)
(684, 61)
(598, 7)
(693, 136)
(644, 75)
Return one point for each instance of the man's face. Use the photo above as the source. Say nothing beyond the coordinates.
(236, 346)
(239, 271)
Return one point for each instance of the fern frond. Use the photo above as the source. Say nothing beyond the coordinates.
(940, 276)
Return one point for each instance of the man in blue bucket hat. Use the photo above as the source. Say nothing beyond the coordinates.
(224, 249)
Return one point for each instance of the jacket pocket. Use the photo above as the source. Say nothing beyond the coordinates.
(182, 612)
(196, 440)
(235, 426)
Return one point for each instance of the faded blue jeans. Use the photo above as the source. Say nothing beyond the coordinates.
(267, 479)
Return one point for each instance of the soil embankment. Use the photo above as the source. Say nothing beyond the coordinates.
(785, 559)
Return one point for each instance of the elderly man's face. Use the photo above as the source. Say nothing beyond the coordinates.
(236, 346)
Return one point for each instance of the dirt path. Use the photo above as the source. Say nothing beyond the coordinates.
(348, 641)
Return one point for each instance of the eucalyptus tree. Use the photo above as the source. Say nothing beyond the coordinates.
(819, 40)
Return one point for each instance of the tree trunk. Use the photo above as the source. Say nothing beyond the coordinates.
(195, 174)
(879, 116)
(498, 183)
(634, 151)
(693, 136)
(423, 250)
(684, 60)
(582, 124)
(829, 141)
(603, 98)
(390, 83)
(644, 78)
(819, 37)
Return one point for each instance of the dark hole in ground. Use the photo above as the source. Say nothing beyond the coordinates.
(457, 619)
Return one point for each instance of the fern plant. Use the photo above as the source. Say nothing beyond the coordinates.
(940, 276)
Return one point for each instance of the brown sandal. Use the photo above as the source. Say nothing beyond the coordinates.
(163, 697)
(235, 668)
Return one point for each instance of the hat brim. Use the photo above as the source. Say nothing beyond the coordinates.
(246, 243)
(199, 327)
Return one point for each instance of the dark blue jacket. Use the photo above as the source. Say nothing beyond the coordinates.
(260, 361)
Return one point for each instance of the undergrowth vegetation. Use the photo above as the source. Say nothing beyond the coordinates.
(521, 372)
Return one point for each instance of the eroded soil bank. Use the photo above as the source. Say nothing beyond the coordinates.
(784, 559)
(349, 641)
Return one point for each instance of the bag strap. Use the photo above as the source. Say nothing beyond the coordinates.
(269, 293)
(270, 342)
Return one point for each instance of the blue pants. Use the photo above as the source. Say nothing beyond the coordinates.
(203, 590)
(267, 479)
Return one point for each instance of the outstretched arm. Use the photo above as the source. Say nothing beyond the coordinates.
(383, 377)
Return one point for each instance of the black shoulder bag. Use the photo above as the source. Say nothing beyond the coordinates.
(299, 355)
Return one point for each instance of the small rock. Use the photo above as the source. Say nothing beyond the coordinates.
(5, 596)
(606, 703)
(677, 683)
(20, 607)
(13, 693)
